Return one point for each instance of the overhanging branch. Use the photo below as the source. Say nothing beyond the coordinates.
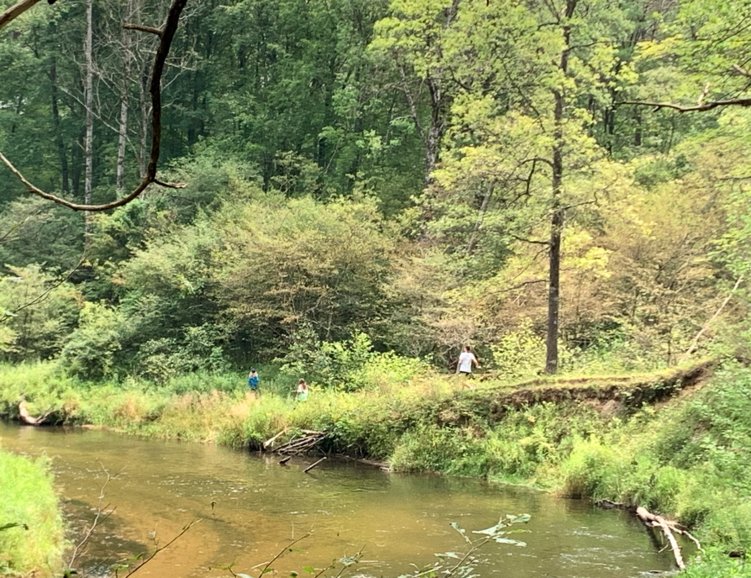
(140, 28)
(690, 108)
(167, 34)
(15, 11)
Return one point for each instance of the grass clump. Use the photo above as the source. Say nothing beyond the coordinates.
(31, 527)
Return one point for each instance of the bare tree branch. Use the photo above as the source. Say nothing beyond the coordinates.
(698, 336)
(149, 29)
(167, 34)
(15, 11)
(742, 71)
(170, 185)
(161, 548)
(746, 101)
(103, 511)
(525, 240)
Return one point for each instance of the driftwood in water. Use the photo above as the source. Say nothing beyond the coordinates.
(669, 529)
(270, 442)
(302, 443)
(27, 418)
(311, 466)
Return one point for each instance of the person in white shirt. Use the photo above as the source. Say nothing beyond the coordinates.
(466, 360)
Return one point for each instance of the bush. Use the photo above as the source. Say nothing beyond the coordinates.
(595, 470)
(160, 360)
(433, 449)
(349, 365)
(91, 349)
(37, 314)
(715, 563)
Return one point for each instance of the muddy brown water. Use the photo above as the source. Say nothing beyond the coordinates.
(250, 507)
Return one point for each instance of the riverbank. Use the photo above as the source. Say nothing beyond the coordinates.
(676, 442)
(31, 526)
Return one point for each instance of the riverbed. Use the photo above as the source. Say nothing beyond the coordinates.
(246, 507)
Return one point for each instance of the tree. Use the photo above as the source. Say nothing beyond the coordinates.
(521, 145)
(166, 35)
(411, 40)
(710, 42)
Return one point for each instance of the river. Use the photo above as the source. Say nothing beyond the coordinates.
(249, 507)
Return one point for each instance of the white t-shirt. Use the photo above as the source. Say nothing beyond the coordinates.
(465, 361)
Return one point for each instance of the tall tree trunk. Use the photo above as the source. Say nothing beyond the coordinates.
(122, 129)
(143, 152)
(57, 123)
(89, 102)
(558, 210)
(437, 127)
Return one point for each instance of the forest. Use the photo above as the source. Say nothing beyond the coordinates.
(353, 190)
(426, 173)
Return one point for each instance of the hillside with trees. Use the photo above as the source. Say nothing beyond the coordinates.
(352, 190)
(428, 173)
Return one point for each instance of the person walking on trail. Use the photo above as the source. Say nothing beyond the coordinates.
(466, 360)
(301, 394)
(253, 381)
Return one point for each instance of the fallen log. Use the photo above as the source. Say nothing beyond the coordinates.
(301, 444)
(314, 464)
(669, 529)
(269, 442)
(27, 418)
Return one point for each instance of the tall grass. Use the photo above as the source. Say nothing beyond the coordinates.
(31, 528)
(690, 459)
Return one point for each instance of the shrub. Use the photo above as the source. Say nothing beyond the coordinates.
(36, 314)
(433, 449)
(593, 469)
(91, 349)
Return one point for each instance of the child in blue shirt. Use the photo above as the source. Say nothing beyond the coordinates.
(253, 380)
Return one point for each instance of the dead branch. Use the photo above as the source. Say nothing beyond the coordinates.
(270, 442)
(690, 108)
(742, 71)
(302, 443)
(167, 34)
(668, 528)
(170, 185)
(103, 511)
(140, 28)
(314, 464)
(15, 11)
(27, 418)
(695, 341)
(162, 548)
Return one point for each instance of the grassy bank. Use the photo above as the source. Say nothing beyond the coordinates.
(676, 442)
(31, 527)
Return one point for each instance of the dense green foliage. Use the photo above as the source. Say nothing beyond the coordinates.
(31, 527)
(369, 185)
(386, 168)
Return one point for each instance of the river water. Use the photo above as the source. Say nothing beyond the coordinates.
(249, 507)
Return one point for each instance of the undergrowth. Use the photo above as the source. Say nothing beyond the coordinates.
(689, 459)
